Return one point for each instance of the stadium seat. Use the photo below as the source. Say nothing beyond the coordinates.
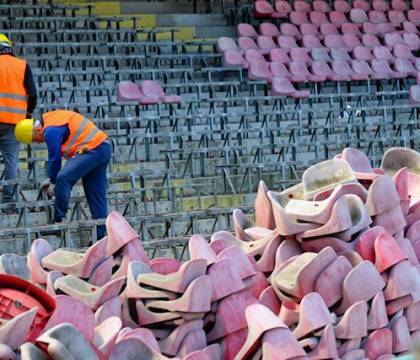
(286, 42)
(321, 6)
(283, 87)
(399, 5)
(283, 8)
(342, 6)
(402, 51)
(225, 44)
(351, 41)
(265, 44)
(127, 91)
(153, 90)
(278, 69)
(247, 43)
(396, 17)
(253, 55)
(361, 69)
(280, 55)
(320, 54)
(259, 70)
(338, 18)
(414, 16)
(234, 59)
(383, 53)
(309, 29)
(311, 42)
(328, 29)
(412, 40)
(318, 18)
(298, 68)
(406, 67)
(268, 29)
(301, 6)
(246, 30)
(358, 16)
(370, 40)
(341, 70)
(298, 18)
(380, 5)
(361, 4)
(300, 54)
(350, 29)
(392, 39)
(377, 17)
(340, 54)
(362, 53)
(288, 29)
(334, 41)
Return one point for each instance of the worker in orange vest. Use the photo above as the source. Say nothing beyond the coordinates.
(88, 150)
(17, 100)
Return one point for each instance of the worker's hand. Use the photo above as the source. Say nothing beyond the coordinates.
(50, 191)
(45, 184)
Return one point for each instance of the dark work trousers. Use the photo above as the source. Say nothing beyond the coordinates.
(9, 147)
(91, 168)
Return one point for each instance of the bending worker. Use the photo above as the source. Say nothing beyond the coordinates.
(88, 151)
(17, 100)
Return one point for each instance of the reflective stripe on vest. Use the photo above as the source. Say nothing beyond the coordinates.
(75, 137)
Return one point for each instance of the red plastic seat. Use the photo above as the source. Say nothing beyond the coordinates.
(377, 17)
(320, 54)
(311, 41)
(361, 4)
(259, 70)
(396, 17)
(318, 17)
(321, 68)
(246, 43)
(302, 6)
(342, 71)
(321, 6)
(247, 30)
(342, 6)
(338, 18)
(298, 18)
(280, 55)
(350, 29)
(382, 53)
(265, 43)
(358, 16)
(286, 42)
(268, 29)
(281, 86)
(328, 29)
(370, 40)
(334, 41)
(288, 29)
(362, 53)
(300, 54)
(399, 5)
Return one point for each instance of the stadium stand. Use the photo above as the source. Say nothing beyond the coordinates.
(300, 82)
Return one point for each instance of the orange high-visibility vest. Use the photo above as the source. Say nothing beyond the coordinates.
(84, 135)
(13, 94)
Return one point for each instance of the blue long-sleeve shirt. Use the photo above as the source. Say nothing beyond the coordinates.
(54, 137)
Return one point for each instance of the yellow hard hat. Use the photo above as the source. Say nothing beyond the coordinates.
(24, 130)
(5, 40)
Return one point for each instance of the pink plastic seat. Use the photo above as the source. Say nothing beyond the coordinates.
(412, 40)
(338, 18)
(361, 4)
(358, 16)
(396, 17)
(400, 335)
(253, 55)
(302, 6)
(247, 43)
(353, 324)
(280, 70)
(382, 67)
(281, 86)
(370, 40)
(127, 91)
(342, 6)
(403, 280)
(246, 30)
(405, 66)
(165, 265)
(409, 27)
(286, 42)
(334, 41)
(15, 331)
(301, 55)
(298, 18)
(320, 54)
(263, 212)
(415, 4)
(288, 29)
(377, 17)
(321, 6)
(259, 70)
(362, 53)
(153, 90)
(225, 43)
(318, 18)
(328, 29)
(361, 69)
(351, 41)
(383, 53)
(311, 41)
(264, 9)
(342, 70)
(392, 39)
(234, 59)
(283, 8)
(265, 44)
(415, 94)
(350, 29)
(309, 29)
(414, 16)
(340, 54)
(322, 68)
(280, 55)
(369, 28)
(268, 29)
(380, 5)
(39, 249)
(399, 5)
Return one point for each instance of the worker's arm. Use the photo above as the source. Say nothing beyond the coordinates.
(31, 89)
(54, 137)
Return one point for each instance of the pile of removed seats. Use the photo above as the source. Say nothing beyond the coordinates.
(330, 269)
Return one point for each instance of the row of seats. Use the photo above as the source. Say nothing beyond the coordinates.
(148, 93)
(282, 8)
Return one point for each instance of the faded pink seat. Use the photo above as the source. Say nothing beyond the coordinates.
(414, 16)
(268, 29)
(376, 202)
(263, 212)
(322, 68)
(225, 43)
(286, 42)
(301, 6)
(351, 41)
(165, 265)
(234, 59)
(415, 4)
(309, 29)
(281, 86)
(199, 248)
(264, 9)
(278, 69)
(383, 53)
(377, 315)
(298, 18)
(259, 70)
(384, 71)
(377, 17)
(350, 29)
(244, 229)
(362, 53)
(396, 17)
(392, 39)
(288, 29)
(361, 69)
(320, 54)
(127, 91)
(369, 28)
(358, 16)
(361, 4)
(253, 55)
(247, 43)
(15, 331)
(109, 308)
(359, 163)
(39, 249)
(370, 40)
(340, 54)
(265, 44)
(380, 5)
(405, 66)
(409, 27)
(403, 280)
(280, 55)
(301, 55)
(321, 6)
(338, 18)
(353, 324)
(400, 335)
(415, 94)
(399, 5)
(328, 29)
(153, 90)
(411, 40)
(334, 41)
(311, 41)
(106, 335)
(246, 30)
(342, 70)
(342, 6)
(76, 263)
(282, 7)
(318, 18)
(299, 68)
